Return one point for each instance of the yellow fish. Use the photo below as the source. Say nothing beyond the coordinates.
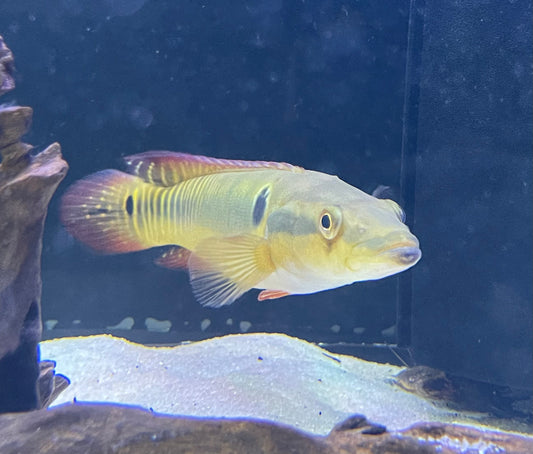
(238, 225)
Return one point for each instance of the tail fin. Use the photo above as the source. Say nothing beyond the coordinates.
(97, 211)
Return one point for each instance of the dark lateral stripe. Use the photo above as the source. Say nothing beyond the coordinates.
(285, 221)
(260, 205)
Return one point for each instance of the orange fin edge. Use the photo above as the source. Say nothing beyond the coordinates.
(271, 295)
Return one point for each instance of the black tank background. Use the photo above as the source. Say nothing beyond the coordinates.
(474, 192)
(318, 84)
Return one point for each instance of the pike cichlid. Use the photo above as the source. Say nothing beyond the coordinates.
(238, 225)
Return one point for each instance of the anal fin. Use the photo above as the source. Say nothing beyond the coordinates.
(175, 258)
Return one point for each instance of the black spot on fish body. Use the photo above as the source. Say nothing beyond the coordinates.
(260, 205)
(129, 205)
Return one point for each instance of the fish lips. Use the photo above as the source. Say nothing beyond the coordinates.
(407, 255)
(385, 260)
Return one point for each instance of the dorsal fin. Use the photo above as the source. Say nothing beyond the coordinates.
(168, 168)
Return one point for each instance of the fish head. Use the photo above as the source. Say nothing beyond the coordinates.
(377, 242)
(338, 236)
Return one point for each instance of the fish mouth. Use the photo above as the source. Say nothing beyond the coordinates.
(404, 254)
(384, 256)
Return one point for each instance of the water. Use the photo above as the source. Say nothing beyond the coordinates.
(433, 101)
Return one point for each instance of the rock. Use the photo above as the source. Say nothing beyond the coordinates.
(26, 185)
(15, 123)
(429, 383)
(356, 435)
(89, 429)
(6, 68)
(453, 438)
(464, 394)
(99, 428)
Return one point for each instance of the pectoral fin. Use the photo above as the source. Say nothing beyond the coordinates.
(222, 269)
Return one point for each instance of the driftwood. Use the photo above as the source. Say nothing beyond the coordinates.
(88, 429)
(6, 68)
(27, 183)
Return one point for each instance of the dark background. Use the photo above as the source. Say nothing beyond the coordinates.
(319, 84)
(473, 290)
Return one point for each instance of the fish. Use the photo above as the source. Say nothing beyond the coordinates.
(238, 225)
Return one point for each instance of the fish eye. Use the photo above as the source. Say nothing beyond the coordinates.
(329, 222)
(325, 221)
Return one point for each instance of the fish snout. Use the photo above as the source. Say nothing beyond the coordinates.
(405, 255)
(402, 249)
(387, 254)
(384, 255)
